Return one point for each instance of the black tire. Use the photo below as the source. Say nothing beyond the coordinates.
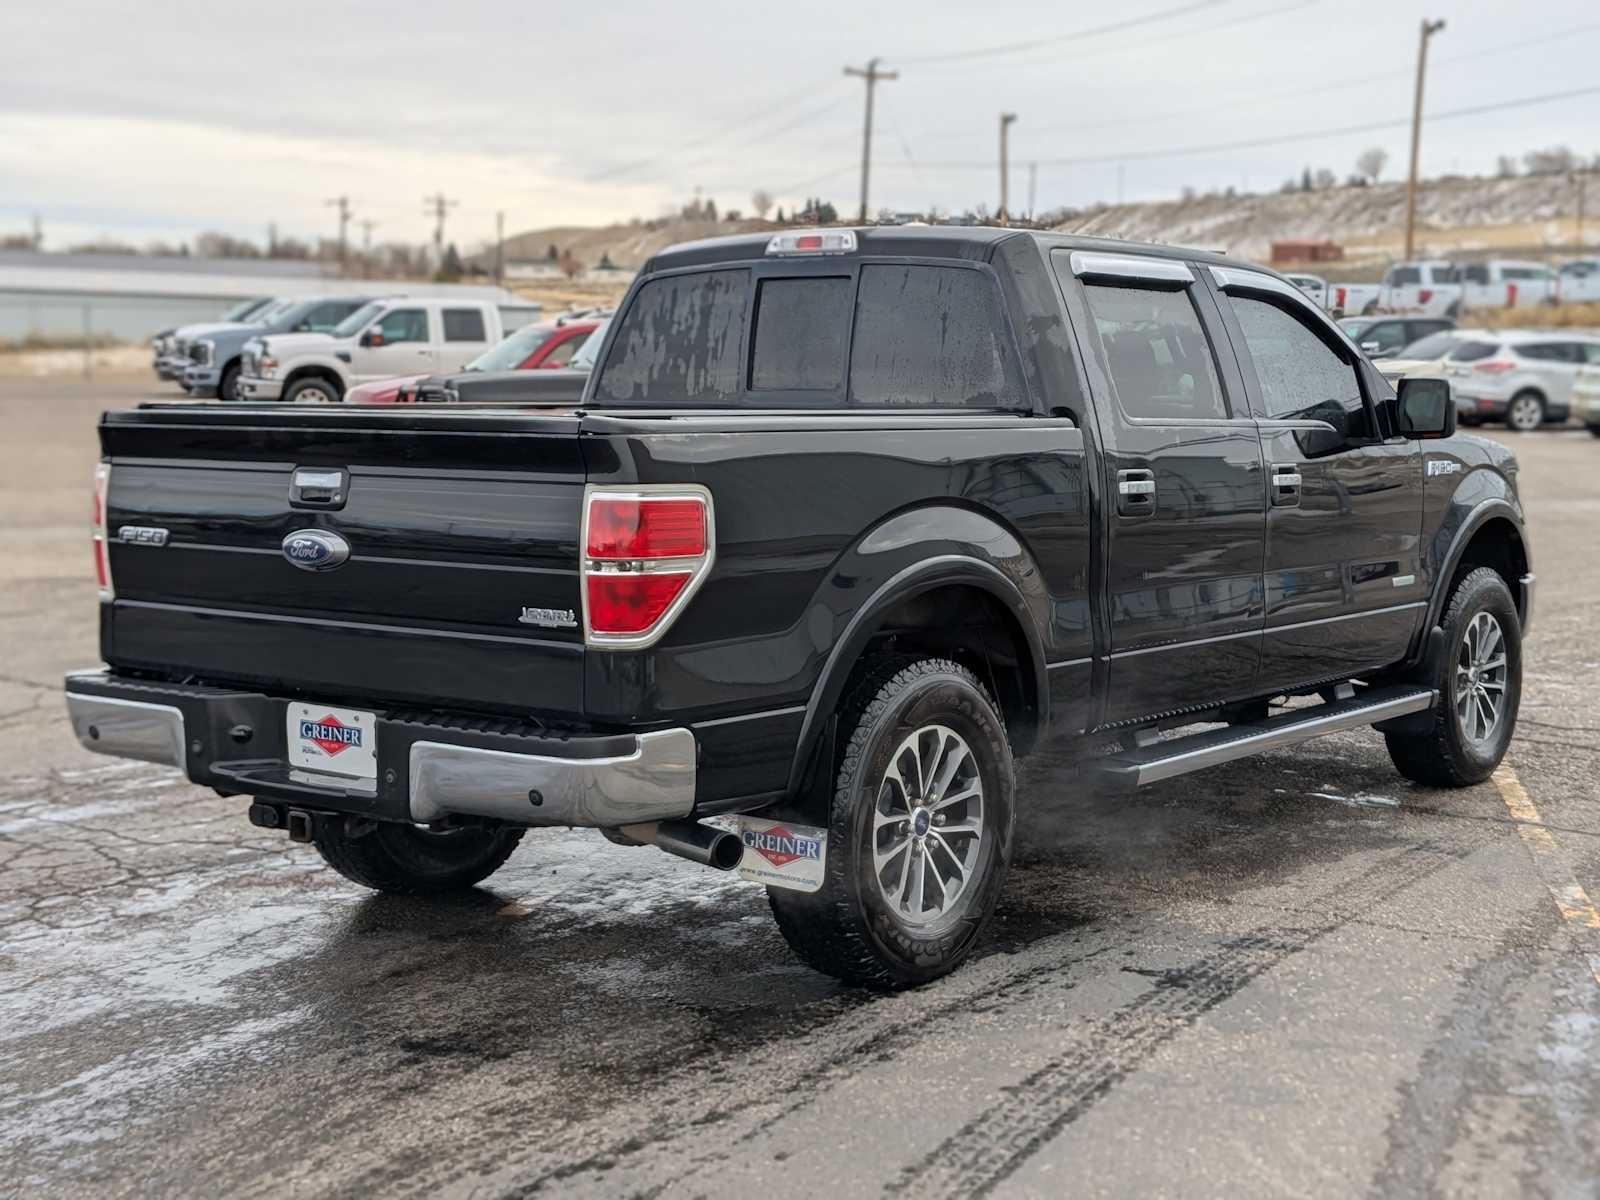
(408, 860)
(1519, 424)
(228, 387)
(1594, 430)
(1443, 755)
(848, 929)
(314, 385)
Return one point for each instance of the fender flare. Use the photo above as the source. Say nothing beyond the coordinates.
(1481, 514)
(317, 368)
(920, 577)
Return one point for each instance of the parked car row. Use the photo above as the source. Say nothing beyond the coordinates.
(1523, 377)
(425, 329)
(1442, 288)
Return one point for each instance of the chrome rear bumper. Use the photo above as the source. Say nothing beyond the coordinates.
(128, 728)
(235, 741)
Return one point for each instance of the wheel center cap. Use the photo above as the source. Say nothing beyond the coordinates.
(920, 822)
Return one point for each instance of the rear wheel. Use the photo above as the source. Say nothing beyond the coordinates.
(410, 860)
(1593, 429)
(1525, 412)
(919, 829)
(1479, 682)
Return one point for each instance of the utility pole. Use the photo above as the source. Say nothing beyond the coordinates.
(342, 203)
(1033, 184)
(1429, 28)
(38, 232)
(1581, 178)
(438, 206)
(1003, 216)
(872, 75)
(500, 248)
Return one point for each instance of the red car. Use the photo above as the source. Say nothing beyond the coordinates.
(545, 345)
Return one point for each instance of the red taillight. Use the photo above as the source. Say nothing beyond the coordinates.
(1424, 295)
(643, 528)
(97, 528)
(1511, 295)
(1495, 366)
(644, 554)
(628, 605)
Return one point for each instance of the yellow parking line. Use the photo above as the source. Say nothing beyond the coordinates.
(1573, 902)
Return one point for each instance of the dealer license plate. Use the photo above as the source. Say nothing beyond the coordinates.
(333, 741)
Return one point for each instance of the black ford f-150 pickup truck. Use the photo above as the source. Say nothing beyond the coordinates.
(843, 522)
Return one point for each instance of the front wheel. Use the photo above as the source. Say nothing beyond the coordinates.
(919, 829)
(312, 391)
(1526, 412)
(228, 389)
(1479, 683)
(409, 860)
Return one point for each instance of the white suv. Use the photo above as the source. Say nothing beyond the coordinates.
(1523, 379)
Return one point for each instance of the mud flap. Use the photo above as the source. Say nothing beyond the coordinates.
(783, 854)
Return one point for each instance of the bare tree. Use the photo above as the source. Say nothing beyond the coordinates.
(1370, 162)
(761, 202)
(1325, 179)
(570, 266)
(1557, 160)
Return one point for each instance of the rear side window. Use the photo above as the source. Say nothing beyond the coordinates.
(464, 325)
(1301, 376)
(801, 326)
(1160, 361)
(1474, 351)
(678, 343)
(1564, 352)
(928, 335)
(1404, 276)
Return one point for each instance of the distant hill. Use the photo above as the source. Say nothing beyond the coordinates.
(628, 245)
(1454, 216)
(1525, 215)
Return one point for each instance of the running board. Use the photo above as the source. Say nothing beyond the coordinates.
(1131, 769)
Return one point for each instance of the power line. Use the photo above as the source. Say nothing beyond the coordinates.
(1257, 100)
(1277, 139)
(1142, 44)
(695, 143)
(1076, 35)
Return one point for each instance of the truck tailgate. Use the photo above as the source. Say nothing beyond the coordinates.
(456, 524)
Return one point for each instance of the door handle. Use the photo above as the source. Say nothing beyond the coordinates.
(1285, 485)
(1136, 492)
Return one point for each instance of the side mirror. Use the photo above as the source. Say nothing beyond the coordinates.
(1425, 408)
(1371, 347)
(372, 337)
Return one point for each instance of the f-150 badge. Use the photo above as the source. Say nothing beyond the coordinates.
(1443, 466)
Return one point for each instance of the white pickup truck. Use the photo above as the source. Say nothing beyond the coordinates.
(1436, 288)
(401, 335)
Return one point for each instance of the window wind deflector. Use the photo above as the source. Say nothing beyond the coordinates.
(1228, 278)
(1087, 264)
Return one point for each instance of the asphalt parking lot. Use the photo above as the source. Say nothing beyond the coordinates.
(1295, 975)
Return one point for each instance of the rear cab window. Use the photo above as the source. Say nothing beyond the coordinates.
(832, 332)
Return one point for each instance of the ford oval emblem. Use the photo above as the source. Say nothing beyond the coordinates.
(315, 549)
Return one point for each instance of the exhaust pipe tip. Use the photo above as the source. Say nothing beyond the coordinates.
(726, 851)
(700, 843)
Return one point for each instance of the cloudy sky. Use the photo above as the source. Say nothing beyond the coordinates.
(162, 119)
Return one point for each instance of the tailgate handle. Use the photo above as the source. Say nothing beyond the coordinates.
(318, 487)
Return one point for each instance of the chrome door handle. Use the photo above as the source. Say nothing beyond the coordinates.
(1136, 492)
(1285, 485)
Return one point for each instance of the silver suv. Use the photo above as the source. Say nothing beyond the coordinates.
(1522, 378)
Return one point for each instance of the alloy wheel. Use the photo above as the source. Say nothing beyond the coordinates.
(1480, 679)
(927, 825)
(1526, 413)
